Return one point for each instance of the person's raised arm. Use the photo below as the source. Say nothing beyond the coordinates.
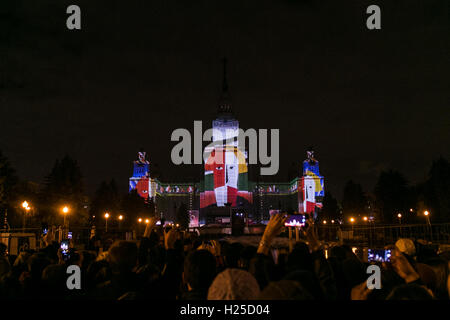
(273, 228)
(150, 225)
(402, 267)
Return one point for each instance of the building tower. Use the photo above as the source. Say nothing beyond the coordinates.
(141, 181)
(311, 185)
(226, 171)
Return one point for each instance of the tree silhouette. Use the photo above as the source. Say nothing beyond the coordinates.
(392, 195)
(8, 180)
(437, 190)
(330, 210)
(64, 186)
(354, 201)
(106, 199)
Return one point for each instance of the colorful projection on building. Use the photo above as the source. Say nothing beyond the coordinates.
(140, 181)
(226, 178)
(311, 186)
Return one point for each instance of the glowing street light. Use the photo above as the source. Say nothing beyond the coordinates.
(121, 217)
(324, 221)
(140, 220)
(352, 221)
(332, 221)
(365, 218)
(147, 220)
(65, 210)
(106, 221)
(25, 205)
(26, 208)
(426, 213)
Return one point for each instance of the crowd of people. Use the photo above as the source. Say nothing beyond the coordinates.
(171, 264)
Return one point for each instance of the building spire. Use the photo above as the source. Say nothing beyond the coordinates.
(225, 100)
(225, 81)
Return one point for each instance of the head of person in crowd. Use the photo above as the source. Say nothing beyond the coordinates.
(354, 271)
(232, 254)
(234, 284)
(285, 290)
(3, 249)
(36, 265)
(86, 258)
(425, 252)
(300, 258)
(406, 246)
(427, 276)
(308, 280)
(247, 254)
(187, 245)
(263, 269)
(54, 281)
(341, 253)
(441, 273)
(5, 266)
(22, 260)
(448, 282)
(122, 256)
(199, 272)
(410, 291)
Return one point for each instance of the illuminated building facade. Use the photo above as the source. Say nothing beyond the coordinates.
(225, 189)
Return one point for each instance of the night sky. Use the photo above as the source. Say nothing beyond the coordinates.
(366, 100)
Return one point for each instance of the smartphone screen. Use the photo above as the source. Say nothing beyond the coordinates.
(295, 220)
(65, 249)
(379, 255)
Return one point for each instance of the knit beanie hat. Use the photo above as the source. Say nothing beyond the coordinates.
(406, 246)
(234, 284)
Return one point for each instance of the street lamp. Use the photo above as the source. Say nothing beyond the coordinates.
(106, 221)
(65, 210)
(426, 213)
(324, 221)
(120, 222)
(352, 220)
(400, 218)
(365, 218)
(140, 220)
(26, 209)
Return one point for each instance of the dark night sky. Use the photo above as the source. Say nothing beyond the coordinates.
(367, 100)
